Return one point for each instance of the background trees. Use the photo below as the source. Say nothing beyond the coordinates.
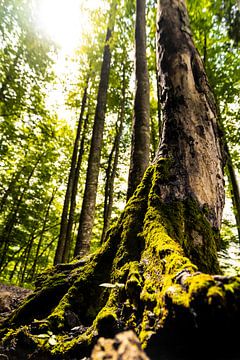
(148, 274)
(31, 139)
(37, 143)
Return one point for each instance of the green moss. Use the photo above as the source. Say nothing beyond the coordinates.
(198, 283)
(178, 295)
(183, 221)
(215, 295)
(134, 281)
(57, 317)
(106, 322)
(21, 338)
(146, 250)
(73, 347)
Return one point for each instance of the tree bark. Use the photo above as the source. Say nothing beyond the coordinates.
(112, 165)
(191, 138)
(41, 236)
(26, 257)
(59, 255)
(89, 199)
(159, 106)
(154, 139)
(66, 253)
(140, 134)
(148, 275)
(235, 194)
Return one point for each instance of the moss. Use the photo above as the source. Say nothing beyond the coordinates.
(145, 251)
(183, 221)
(70, 348)
(40, 304)
(198, 283)
(178, 295)
(21, 340)
(147, 327)
(215, 295)
(134, 281)
(131, 241)
(57, 317)
(232, 285)
(106, 322)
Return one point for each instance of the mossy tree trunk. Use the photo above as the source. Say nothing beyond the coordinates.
(154, 273)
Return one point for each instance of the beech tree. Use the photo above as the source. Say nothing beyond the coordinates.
(70, 193)
(141, 133)
(157, 272)
(90, 193)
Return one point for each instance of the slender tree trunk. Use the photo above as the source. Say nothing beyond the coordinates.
(59, 255)
(27, 257)
(159, 111)
(141, 132)
(12, 219)
(154, 139)
(235, 194)
(110, 177)
(205, 49)
(17, 261)
(112, 164)
(66, 254)
(41, 236)
(89, 199)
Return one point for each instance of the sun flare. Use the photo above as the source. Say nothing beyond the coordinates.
(63, 20)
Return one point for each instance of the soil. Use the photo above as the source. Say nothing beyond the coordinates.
(10, 298)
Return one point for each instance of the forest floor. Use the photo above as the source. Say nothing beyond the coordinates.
(10, 297)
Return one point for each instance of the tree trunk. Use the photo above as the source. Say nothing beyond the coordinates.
(191, 138)
(13, 217)
(89, 199)
(235, 194)
(26, 257)
(154, 138)
(159, 111)
(147, 275)
(66, 256)
(41, 236)
(112, 165)
(59, 255)
(140, 133)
